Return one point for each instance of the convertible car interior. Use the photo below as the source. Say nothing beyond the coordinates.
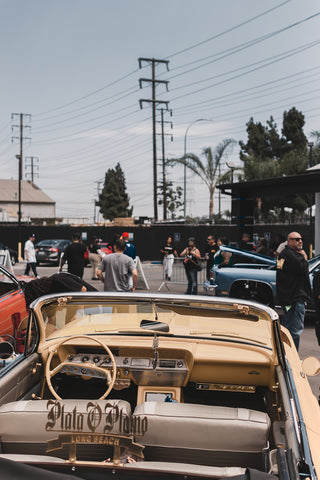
(157, 387)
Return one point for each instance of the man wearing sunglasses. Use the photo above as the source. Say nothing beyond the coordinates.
(293, 285)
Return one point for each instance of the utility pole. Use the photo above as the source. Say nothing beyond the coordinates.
(164, 181)
(95, 203)
(32, 166)
(154, 103)
(21, 139)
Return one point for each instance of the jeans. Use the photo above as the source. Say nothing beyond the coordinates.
(192, 282)
(32, 265)
(293, 320)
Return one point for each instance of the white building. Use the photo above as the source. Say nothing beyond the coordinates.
(34, 202)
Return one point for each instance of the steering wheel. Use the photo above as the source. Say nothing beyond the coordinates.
(77, 368)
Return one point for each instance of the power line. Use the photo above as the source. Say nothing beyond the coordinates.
(89, 94)
(249, 89)
(279, 57)
(73, 136)
(234, 77)
(229, 30)
(86, 112)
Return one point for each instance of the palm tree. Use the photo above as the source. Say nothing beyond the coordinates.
(208, 171)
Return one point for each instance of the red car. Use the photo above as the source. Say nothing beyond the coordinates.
(105, 247)
(12, 303)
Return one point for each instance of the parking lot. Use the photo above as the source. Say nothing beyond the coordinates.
(153, 273)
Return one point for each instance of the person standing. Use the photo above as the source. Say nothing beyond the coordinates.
(222, 258)
(116, 268)
(293, 285)
(210, 252)
(30, 256)
(169, 252)
(130, 249)
(245, 243)
(94, 257)
(74, 255)
(262, 246)
(191, 265)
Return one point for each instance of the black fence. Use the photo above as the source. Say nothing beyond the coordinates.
(149, 239)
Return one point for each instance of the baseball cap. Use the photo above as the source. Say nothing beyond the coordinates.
(125, 235)
(32, 235)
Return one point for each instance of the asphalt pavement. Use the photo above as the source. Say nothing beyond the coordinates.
(153, 274)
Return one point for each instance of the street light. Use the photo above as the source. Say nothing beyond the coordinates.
(185, 168)
(232, 167)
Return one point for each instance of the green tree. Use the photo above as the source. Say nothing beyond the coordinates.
(173, 198)
(266, 154)
(113, 200)
(315, 148)
(208, 170)
(292, 130)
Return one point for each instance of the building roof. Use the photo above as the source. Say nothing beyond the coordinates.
(30, 193)
(306, 182)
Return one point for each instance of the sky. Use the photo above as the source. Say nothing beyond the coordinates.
(73, 66)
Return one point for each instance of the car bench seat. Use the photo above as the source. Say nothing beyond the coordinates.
(26, 426)
(204, 434)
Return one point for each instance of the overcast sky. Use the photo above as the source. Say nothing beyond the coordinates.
(73, 65)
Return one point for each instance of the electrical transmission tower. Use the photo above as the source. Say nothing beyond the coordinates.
(21, 139)
(164, 180)
(33, 166)
(154, 103)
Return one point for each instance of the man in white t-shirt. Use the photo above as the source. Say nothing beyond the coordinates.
(30, 255)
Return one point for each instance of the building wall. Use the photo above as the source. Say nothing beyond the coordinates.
(29, 210)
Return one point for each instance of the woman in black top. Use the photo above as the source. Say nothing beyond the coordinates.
(169, 252)
(191, 265)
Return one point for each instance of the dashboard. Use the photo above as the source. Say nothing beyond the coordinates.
(142, 370)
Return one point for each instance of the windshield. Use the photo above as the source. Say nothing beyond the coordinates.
(48, 243)
(65, 317)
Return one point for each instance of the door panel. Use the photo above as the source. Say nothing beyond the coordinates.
(22, 375)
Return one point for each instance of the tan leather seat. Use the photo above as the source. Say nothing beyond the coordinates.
(26, 426)
(222, 436)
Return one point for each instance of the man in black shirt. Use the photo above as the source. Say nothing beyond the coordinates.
(293, 285)
(210, 252)
(245, 242)
(74, 255)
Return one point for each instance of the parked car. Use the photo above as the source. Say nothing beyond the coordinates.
(105, 248)
(12, 302)
(49, 251)
(13, 253)
(141, 386)
(252, 276)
